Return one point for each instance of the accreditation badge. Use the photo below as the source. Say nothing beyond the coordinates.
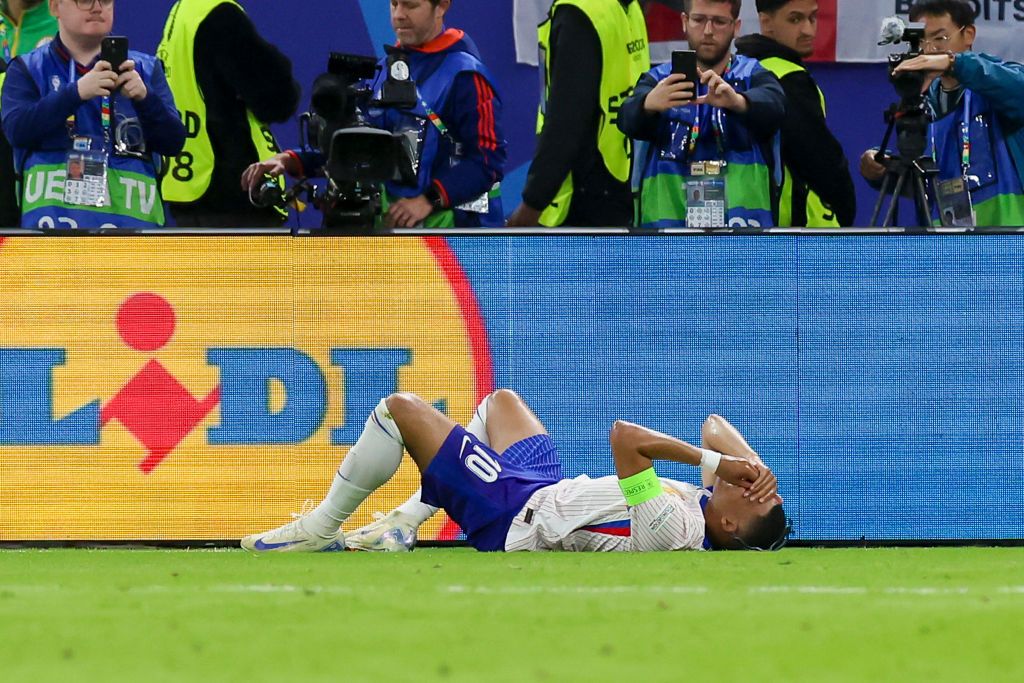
(85, 182)
(956, 210)
(706, 204)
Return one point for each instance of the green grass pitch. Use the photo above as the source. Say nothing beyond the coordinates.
(949, 614)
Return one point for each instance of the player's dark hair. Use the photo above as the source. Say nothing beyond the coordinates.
(769, 532)
(735, 4)
(962, 12)
(770, 6)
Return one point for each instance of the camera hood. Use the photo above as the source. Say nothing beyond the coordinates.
(367, 156)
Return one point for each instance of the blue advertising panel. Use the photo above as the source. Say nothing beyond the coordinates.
(879, 376)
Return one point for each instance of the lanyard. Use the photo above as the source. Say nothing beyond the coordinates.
(105, 108)
(717, 125)
(434, 118)
(965, 136)
(717, 122)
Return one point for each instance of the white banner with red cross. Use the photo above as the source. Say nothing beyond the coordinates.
(848, 30)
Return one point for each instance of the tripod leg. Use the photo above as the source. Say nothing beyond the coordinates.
(921, 201)
(896, 193)
(882, 193)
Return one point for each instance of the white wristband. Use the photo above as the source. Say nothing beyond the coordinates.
(709, 459)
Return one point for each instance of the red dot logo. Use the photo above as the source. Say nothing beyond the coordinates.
(146, 321)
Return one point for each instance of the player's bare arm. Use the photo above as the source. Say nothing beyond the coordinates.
(635, 448)
(719, 434)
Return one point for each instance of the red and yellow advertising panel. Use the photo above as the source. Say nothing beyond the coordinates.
(204, 388)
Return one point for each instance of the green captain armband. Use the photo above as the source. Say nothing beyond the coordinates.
(641, 487)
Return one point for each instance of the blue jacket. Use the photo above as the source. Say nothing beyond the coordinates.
(469, 107)
(1002, 85)
(990, 107)
(40, 96)
(749, 143)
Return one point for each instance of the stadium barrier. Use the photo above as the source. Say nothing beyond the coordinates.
(182, 389)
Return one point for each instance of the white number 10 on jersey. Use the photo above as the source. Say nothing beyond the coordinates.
(480, 462)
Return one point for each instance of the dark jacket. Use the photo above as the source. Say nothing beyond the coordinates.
(237, 70)
(568, 143)
(810, 151)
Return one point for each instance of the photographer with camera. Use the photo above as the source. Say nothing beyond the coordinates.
(453, 126)
(712, 159)
(976, 106)
(817, 190)
(84, 101)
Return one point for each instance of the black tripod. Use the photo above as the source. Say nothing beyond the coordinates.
(910, 172)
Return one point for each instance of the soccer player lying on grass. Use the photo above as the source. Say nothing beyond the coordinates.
(500, 480)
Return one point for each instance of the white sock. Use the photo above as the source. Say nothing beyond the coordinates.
(371, 462)
(478, 425)
(416, 508)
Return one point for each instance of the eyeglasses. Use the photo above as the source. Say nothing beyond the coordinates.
(717, 23)
(88, 4)
(939, 43)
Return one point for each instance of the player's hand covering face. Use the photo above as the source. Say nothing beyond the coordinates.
(737, 471)
(764, 488)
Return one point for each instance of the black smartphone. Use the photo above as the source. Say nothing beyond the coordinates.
(685, 62)
(114, 50)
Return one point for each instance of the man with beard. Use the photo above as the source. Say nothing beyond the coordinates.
(817, 191)
(713, 132)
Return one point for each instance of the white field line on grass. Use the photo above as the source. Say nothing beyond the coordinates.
(573, 590)
(805, 590)
(273, 588)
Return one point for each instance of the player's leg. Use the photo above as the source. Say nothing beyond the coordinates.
(509, 420)
(397, 530)
(501, 420)
(399, 422)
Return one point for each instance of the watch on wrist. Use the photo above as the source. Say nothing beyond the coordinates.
(433, 196)
(952, 61)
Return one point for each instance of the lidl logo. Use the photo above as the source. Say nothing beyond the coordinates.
(159, 411)
(214, 370)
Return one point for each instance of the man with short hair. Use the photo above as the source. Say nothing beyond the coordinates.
(977, 105)
(461, 150)
(817, 190)
(499, 479)
(714, 131)
(62, 104)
